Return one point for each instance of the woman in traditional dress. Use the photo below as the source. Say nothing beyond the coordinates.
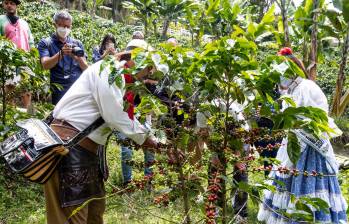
(316, 157)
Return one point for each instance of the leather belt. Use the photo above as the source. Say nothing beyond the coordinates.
(66, 132)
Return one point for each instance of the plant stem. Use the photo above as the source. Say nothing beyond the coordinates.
(313, 51)
(183, 187)
(222, 156)
(181, 175)
(3, 98)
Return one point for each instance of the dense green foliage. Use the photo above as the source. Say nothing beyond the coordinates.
(239, 66)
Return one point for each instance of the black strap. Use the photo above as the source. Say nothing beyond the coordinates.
(77, 138)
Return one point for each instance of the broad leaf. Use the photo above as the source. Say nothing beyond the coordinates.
(293, 147)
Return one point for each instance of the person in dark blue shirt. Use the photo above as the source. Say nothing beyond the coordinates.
(63, 55)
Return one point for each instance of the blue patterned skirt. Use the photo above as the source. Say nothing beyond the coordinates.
(327, 188)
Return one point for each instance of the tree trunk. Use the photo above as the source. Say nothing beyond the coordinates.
(285, 23)
(263, 7)
(337, 104)
(183, 188)
(3, 100)
(116, 11)
(155, 28)
(166, 24)
(94, 6)
(305, 52)
(313, 51)
(80, 5)
(146, 27)
(66, 4)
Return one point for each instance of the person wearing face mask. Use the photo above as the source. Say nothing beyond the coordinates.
(107, 48)
(13, 28)
(63, 55)
(316, 157)
(16, 30)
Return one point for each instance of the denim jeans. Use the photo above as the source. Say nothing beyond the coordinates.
(239, 200)
(126, 155)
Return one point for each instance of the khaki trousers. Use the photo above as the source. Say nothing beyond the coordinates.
(92, 213)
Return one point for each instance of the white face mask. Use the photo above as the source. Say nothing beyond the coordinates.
(63, 32)
(283, 92)
(285, 82)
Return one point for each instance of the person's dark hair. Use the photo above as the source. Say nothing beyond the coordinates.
(106, 38)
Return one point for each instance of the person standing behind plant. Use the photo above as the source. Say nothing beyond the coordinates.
(126, 152)
(17, 30)
(107, 48)
(63, 55)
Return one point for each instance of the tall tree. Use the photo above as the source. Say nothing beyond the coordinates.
(284, 6)
(170, 10)
(116, 5)
(340, 102)
(143, 9)
(80, 5)
(312, 68)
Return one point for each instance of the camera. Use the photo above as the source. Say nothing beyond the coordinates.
(77, 51)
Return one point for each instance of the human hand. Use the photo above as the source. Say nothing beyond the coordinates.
(150, 143)
(150, 81)
(111, 51)
(67, 50)
(240, 166)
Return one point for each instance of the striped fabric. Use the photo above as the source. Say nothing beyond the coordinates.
(327, 188)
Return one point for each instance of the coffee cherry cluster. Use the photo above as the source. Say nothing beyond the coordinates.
(213, 189)
(163, 200)
(293, 172)
(269, 147)
(257, 134)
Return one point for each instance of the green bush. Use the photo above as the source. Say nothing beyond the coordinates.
(90, 31)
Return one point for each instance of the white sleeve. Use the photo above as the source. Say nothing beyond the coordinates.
(310, 94)
(109, 99)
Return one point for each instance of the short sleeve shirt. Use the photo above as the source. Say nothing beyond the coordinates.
(19, 33)
(96, 55)
(67, 70)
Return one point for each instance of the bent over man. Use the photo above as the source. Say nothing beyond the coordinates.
(79, 177)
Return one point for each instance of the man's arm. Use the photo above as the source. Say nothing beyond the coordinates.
(50, 62)
(46, 60)
(109, 99)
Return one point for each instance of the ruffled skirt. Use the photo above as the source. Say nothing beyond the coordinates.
(327, 188)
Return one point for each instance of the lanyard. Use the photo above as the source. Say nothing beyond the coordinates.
(70, 69)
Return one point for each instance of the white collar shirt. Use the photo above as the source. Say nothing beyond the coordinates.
(90, 97)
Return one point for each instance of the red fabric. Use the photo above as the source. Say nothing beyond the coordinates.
(129, 96)
(285, 51)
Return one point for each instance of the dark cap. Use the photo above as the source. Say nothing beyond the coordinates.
(17, 2)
